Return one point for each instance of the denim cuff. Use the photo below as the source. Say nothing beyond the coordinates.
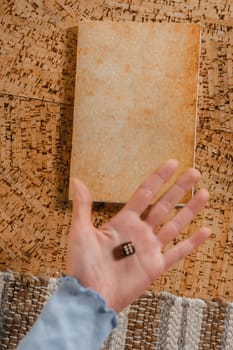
(75, 288)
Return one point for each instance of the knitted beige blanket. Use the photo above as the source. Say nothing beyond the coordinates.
(159, 322)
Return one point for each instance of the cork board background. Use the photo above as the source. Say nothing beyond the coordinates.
(37, 72)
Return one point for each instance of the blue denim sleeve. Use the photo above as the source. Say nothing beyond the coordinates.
(74, 318)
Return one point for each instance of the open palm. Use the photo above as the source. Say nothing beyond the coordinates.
(90, 250)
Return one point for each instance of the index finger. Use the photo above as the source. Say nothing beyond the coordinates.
(148, 189)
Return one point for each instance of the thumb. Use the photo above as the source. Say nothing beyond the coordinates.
(82, 203)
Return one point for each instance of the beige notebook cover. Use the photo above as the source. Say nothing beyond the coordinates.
(135, 103)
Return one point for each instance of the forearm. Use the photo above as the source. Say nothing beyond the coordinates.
(73, 318)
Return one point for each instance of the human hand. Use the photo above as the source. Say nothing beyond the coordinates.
(90, 250)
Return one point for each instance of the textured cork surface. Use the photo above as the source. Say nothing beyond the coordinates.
(37, 60)
(135, 103)
(36, 130)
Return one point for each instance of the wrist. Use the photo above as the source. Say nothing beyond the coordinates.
(74, 284)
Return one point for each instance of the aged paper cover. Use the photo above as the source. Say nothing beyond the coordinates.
(135, 103)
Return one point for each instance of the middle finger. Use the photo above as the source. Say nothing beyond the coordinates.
(167, 202)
